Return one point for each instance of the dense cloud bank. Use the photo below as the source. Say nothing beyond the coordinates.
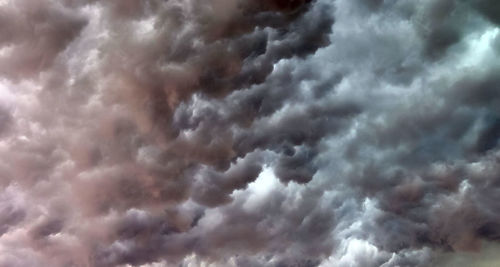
(248, 132)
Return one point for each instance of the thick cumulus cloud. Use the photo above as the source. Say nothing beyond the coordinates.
(249, 133)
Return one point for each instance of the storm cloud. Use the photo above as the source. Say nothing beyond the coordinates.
(249, 132)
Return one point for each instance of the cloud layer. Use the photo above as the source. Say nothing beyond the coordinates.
(248, 133)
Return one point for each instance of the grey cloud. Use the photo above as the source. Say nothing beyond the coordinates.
(12, 213)
(247, 133)
(212, 188)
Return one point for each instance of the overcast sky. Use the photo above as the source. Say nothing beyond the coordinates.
(247, 133)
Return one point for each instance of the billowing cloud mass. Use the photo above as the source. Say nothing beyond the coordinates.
(249, 133)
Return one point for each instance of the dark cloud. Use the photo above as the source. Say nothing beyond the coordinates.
(247, 133)
(490, 9)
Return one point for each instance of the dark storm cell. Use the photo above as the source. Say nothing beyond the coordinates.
(440, 40)
(490, 230)
(489, 8)
(489, 137)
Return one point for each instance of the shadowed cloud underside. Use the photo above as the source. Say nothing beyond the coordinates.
(249, 133)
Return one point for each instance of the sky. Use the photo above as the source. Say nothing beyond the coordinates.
(247, 133)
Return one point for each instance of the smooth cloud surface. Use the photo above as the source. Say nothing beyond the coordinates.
(249, 132)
